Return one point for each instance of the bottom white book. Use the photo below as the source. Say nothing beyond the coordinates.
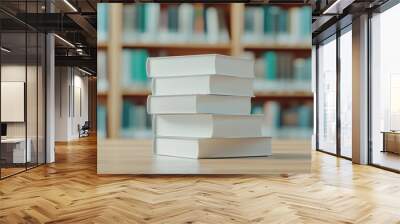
(198, 148)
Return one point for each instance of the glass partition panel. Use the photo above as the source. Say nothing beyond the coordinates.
(327, 97)
(41, 98)
(385, 89)
(346, 93)
(31, 98)
(14, 150)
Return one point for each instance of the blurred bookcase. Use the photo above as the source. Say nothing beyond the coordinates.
(277, 37)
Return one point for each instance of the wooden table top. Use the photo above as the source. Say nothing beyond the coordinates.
(121, 156)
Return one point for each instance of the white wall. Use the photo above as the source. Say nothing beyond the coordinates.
(69, 82)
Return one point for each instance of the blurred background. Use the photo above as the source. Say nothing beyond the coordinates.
(277, 37)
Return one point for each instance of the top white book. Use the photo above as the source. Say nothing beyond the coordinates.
(193, 65)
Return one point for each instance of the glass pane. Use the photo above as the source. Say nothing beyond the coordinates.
(346, 94)
(386, 89)
(31, 97)
(327, 97)
(13, 86)
(41, 99)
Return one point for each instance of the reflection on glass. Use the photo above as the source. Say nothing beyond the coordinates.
(346, 94)
(327, 97)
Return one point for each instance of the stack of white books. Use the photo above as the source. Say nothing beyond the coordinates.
(201, 107)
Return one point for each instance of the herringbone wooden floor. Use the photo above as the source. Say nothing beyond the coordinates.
(69, 191)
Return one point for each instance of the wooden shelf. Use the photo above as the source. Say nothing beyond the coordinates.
(138, 92)
(257, 94)
(291, 47)
(202, 46)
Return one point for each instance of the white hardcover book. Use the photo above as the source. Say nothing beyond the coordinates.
(208, 126)
(207, 64)
(192, 85)
(213, 147)
(203, 104)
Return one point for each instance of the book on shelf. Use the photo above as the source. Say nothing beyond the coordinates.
(192, 104)
(293, 121)
(281, 71)
(197, 148)
(134, 68)
(135, 121)
(102, 25)
(207, 84)
(191, 65)
(274, 24)
(174, 23)
(208, 126)
(101, 121)
(102, 81)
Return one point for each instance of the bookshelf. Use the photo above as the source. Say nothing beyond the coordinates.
(112, 96)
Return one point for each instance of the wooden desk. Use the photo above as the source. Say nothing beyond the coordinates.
(15, 148)
(391, 141)
(121, 156)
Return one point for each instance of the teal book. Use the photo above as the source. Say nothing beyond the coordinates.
(257, 109)
(143, 55)
(268, 26)
(308, 69)
(305, 116)
(126, 68)
(173, 18)
(126, 106)
(138, 66)
(248, 20)
(273, 19)
(132, 115)
(270, 60)
(141, 18)
(102, 26)
(283, 21)
(101, 121)
(306, 17)
(275, 114)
